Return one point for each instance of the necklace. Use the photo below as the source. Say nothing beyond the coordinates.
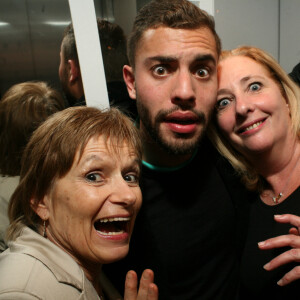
(277, 198)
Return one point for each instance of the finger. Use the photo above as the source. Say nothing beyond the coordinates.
(288, 218)
(292, 255)
(294, 231)
(291, 240)
(131, 283)
(289, 277)
(146, 279)
(152, 292)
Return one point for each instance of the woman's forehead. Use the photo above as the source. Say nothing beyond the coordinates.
(107, 145)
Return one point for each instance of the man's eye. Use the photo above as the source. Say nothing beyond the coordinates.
(202, 73)
(160, 71)
(94, 177)
(132, 178)
(255, 86)
(223, 103)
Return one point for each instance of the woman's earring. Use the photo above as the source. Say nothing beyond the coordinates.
(44, 230)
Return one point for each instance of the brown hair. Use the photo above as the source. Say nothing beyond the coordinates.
(177, 14)
(50, 154)
(22, 109)
(289, 90)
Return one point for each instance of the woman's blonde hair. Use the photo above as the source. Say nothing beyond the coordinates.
(289, 90)
(51, 150)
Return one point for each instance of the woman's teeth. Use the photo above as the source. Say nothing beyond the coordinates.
(112, 226)
(113, 219)
(253, 126)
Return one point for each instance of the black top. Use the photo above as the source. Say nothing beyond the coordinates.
(186, 231)
(258, 283)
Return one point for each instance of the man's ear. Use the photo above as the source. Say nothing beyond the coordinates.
(74, 71)
(129, 79)
(41, 208)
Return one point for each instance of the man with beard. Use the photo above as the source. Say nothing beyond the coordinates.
(187, 229)
(113, 48)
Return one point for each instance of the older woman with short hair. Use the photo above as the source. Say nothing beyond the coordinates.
(257, 128)
(74, 208)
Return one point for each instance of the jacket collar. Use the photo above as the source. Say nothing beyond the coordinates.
(60, 263)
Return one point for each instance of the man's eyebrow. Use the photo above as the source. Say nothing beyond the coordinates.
(162, 59)
(205, 57)
(170, 59)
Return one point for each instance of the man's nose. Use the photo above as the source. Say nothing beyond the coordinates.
(183, 89)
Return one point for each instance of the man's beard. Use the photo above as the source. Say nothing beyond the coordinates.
(184, 143)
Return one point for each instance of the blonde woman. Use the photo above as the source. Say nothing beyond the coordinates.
(256, 127)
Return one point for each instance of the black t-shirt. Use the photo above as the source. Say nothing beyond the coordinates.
(186, 231)
(256, 282)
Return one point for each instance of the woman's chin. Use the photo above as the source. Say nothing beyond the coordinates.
(113, 254)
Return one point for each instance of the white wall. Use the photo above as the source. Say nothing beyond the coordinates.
(272, 25)
(289, 33)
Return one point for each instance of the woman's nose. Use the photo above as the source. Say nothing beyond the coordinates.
(243, 105)
(123, 193)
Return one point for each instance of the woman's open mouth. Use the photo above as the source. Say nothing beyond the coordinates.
(112, 226)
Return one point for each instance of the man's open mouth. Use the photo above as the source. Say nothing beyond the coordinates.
(182, 121)
(112, 226)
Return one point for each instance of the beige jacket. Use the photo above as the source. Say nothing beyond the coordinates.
(7, 187)
(35, 268)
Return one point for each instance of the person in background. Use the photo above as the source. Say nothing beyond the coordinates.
(74, 208)
(113, 48)
(69, 69)
(22, 109)
(187, 229)
(295, 74)
(257, 128)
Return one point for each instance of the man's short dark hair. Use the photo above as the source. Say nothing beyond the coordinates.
(177, 14)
